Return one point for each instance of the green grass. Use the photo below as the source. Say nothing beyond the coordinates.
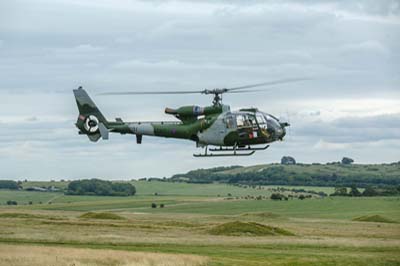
(101, 216)
(238, 228)
(24, 197)
(331, 207)
(108, 204)
(185, 189)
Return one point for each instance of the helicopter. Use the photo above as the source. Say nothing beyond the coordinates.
(217, 129)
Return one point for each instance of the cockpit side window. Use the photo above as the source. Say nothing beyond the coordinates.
(260, 119)
(230, 121)
(262, 122)
(240, 120)
(244, 120)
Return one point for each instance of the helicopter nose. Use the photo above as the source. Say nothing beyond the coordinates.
(282, 130)
(283, 133)
(280, 133)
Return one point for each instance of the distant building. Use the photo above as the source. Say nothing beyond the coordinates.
(43, 189)
(36, 189)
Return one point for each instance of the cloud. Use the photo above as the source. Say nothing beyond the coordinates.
(340, 132)
(324, 145)
(366, 47)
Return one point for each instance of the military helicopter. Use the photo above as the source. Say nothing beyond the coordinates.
(229, 133)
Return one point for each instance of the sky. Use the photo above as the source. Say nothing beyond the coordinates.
(349, 49)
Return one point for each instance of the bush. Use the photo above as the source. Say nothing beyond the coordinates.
(161, 205)
(277, 196)
(288, 160)
(153, 205)
(347, 160)
(12, 202)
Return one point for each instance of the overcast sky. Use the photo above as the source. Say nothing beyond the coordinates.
(350, 49)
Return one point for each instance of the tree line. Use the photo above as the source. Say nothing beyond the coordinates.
(353, 191)
(329, 175)
(9, 184)
(100, 188)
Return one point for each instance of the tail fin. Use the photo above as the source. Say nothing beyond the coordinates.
(91, 121)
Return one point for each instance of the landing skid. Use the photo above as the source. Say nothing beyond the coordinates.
(248, 148)
(235, 151)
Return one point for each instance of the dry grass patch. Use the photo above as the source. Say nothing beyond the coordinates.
(12, 255)
(250, 229)
(373, 218)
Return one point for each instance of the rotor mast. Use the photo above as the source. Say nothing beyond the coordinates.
(217, 95)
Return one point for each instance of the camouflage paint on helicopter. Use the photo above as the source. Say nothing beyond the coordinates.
(214, 125)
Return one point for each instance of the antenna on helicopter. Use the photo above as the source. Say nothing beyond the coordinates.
(217, 92)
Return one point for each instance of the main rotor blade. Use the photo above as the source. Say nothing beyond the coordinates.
(148, 92)
(269, 83)
(206, 91)
(243, 91)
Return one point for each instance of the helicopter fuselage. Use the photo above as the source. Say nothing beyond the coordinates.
(213, 125)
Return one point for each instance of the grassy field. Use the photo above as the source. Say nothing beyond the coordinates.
(196, 227)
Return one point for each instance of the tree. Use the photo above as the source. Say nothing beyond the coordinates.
(153, 205)
(369, 192)
(347, 160)
(340, 191)
(288, 160)
(354, 192)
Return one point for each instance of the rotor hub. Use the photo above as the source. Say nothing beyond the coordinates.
(217, 94)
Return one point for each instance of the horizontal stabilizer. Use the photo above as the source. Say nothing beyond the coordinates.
(103, 131)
